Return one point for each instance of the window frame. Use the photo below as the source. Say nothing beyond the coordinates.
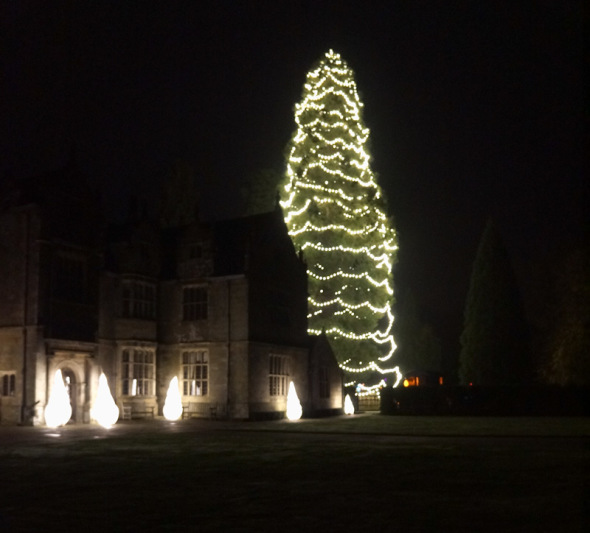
(195, 373)
(278, 375)
(138, 299)
(138, 363)
(7, 384)
(195, 303)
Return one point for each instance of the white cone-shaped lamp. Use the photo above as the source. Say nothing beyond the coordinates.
(348, 406)
(294, 410)
(59, 409)
(173, 404)
(105, 410)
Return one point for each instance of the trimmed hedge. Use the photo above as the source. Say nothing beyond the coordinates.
(486, 401)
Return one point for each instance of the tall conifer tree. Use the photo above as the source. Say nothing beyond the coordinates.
(335, 212)
(568, 338)
(494, 342)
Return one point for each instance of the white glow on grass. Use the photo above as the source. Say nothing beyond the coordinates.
(105, 410)
(348, 406)
(294, 410)
(173, 404)
(59, 409)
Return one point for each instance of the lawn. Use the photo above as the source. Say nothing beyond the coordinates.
(367, 473)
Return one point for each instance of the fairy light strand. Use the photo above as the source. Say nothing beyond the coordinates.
(334, 213)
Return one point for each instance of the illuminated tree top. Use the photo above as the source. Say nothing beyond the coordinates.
(335, 214)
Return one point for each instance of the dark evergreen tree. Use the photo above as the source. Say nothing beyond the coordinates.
(568, 341)
(418, 347)
(494, 342)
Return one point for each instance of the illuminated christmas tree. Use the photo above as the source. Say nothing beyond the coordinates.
(335, 213)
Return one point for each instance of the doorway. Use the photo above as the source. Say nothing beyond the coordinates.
(71, 385)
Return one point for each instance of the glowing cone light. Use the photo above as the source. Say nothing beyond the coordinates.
(294, 410)
(105, 410)
(58, 410)
(173, 404)
(348, 406)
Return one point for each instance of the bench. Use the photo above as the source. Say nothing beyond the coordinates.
(199, 410)
(137, 410)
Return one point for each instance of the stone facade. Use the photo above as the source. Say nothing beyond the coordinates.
(222, 306)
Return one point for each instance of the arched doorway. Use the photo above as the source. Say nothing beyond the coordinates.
(72, 386)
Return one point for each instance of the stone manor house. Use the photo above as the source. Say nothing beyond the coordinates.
(220, 305)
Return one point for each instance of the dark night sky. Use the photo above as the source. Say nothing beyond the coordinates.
(476, 109)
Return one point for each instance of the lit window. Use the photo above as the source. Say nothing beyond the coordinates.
(194, 303)
(277, 375)
(195, 373)
(138, 372)
(139, 300)
(7, 384)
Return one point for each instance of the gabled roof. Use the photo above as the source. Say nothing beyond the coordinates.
(237, 239)
(235, 244)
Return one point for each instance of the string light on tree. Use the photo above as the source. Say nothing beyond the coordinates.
(335, 213)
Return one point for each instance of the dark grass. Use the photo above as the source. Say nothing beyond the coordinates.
(315, 475)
